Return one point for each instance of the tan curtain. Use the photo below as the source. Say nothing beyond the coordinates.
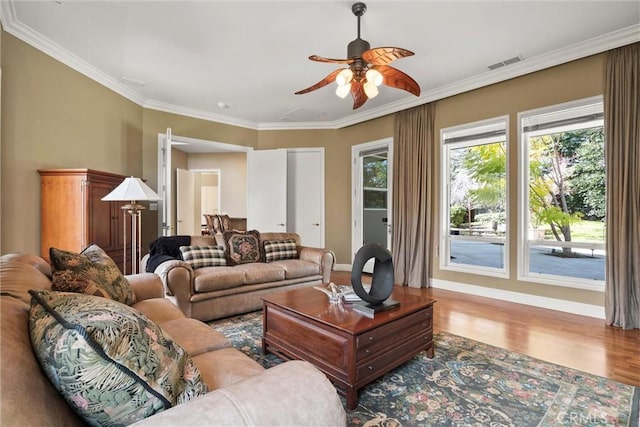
(414, 204)
(622, 127)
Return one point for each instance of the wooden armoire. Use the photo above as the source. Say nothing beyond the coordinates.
(74, 216)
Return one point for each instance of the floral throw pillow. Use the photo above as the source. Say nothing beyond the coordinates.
(243, 246)
(90, 267)
(112, 364)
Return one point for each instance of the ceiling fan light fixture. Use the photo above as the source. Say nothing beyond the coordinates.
(343, 90)
(368, 69)
(370, 89)
(344, 77)
(374, 76)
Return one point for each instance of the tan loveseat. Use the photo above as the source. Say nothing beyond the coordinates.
(215, 292)
(241, 391)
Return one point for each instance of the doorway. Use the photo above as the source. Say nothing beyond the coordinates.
(372, 195)
(197, 193)
(167, 167)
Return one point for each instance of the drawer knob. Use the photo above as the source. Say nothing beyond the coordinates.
(370, 338)
(370, 367)
(367, 351)
(425, 324)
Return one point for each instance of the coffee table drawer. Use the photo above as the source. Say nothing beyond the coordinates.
(306, 340)
(390, 359)
(373, 341)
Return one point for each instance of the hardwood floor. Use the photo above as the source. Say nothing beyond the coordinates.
(579, 342)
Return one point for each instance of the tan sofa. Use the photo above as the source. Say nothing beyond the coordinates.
(215, 292)
(241, 391)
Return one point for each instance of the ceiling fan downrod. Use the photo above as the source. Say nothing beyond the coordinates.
(358, 46)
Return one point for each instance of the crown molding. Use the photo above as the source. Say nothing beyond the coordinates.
(569, 53)
(199, 114)
(16, 28)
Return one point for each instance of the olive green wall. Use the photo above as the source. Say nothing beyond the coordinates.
(568, 82)
(53, 116)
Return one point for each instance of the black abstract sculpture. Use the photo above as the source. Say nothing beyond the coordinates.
(377, 299)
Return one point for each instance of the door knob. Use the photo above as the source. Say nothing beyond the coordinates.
(281, 224)
(317, 224)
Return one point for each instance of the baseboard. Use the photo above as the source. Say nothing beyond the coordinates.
(342, 267)
(520, 298)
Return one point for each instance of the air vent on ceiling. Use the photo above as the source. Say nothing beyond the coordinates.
(301, 115)
(506, 62)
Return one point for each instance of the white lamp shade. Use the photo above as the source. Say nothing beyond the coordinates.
(370, 89)
(343, 91)
(344, 77)
(132, 189)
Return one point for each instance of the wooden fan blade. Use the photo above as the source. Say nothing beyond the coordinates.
(385, 55)
(359, 97)
(396, 78)
(335, 61)
(322, 83)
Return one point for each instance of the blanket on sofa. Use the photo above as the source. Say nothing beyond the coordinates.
(165, 248)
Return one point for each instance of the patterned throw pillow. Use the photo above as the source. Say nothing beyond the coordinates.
(275, 250)
(204, 256)
(243, 246)
(90, 267)
(112, 364)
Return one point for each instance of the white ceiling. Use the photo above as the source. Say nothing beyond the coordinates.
(188, 56)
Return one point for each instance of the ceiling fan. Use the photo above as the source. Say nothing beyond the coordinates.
(367, 69)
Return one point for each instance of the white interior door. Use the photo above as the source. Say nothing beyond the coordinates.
(164, 183)
(305, 195)
(185, 203)
(372, 195)
(267, 190)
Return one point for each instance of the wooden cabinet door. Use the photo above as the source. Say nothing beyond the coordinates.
(101, 216)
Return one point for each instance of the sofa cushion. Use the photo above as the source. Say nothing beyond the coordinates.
(227, 366)
(275, 250)
(194, 336)
(90, 267)
(297, 268)
(112, 364)
(243, 246)
(261, 273)
(204, 256)
(21, 272)
(216, 278)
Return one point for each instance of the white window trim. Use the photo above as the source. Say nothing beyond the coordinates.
(523, 273)
(496, 123)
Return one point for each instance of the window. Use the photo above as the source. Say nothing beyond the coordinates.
(562, 183)
(374, 180)
(474, 218)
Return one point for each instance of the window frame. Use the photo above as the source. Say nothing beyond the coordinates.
(500, 123)
(524, 243)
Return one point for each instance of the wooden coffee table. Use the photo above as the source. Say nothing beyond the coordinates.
(350, 348)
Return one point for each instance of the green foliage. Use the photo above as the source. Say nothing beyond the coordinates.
(457, 216)
(566, 179)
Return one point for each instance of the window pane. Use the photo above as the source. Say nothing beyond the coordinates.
(375, 199)
(475, 194)
(374, 173)
(567, 202)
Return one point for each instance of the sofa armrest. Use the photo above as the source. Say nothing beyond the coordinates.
(146, 286)
(324, 257)
(293, 393)
(177, 278)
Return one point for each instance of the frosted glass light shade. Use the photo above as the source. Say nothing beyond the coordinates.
(132, 189)
(343, 90)
(344, 77)
(374, 77)
(370, 89)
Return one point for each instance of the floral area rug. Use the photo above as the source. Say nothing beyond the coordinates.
(469, 383)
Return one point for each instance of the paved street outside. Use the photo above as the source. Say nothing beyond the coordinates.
(542, 259)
